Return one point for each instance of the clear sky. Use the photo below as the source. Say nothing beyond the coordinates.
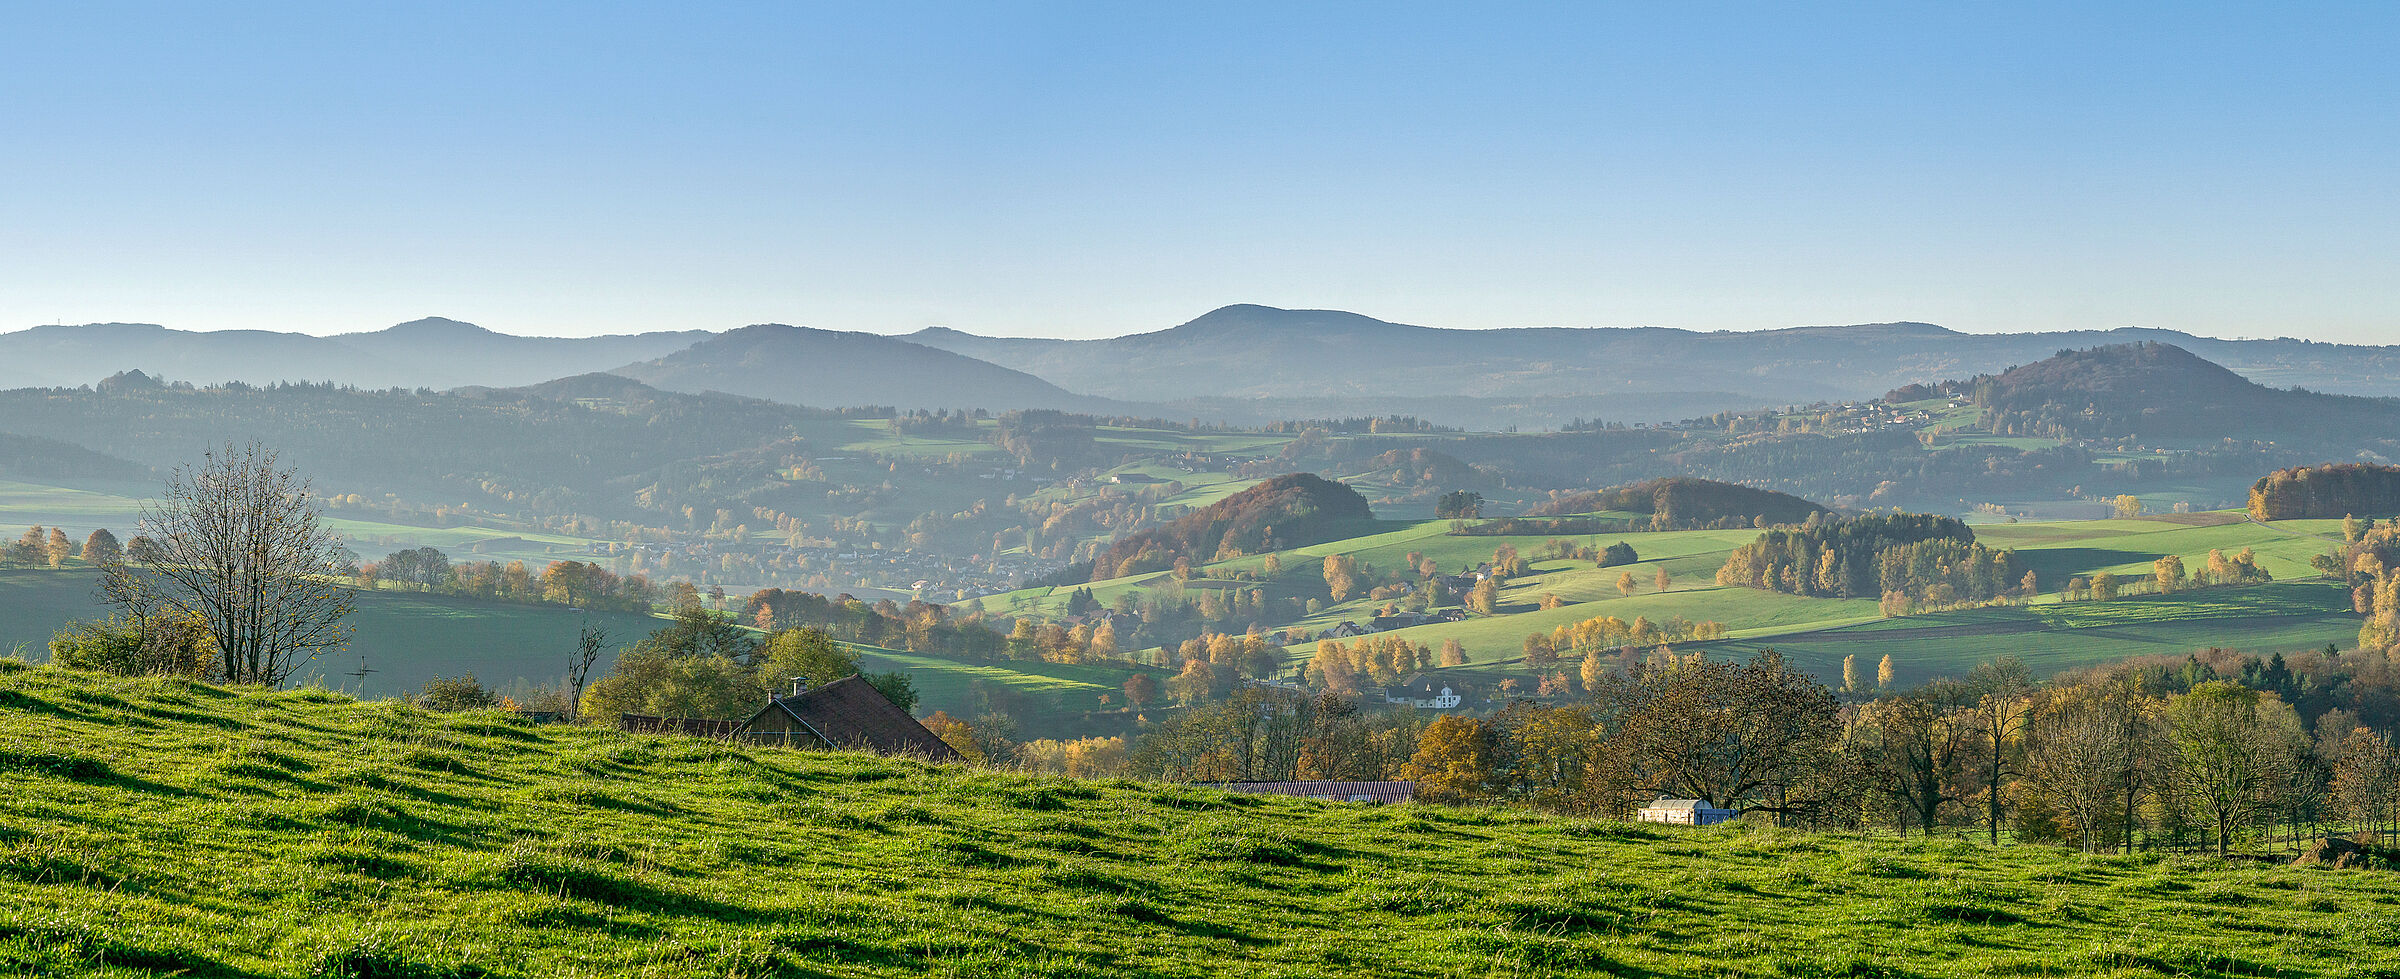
(1093, 169)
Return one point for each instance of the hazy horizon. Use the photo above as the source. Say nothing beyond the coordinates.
(1078, 171)
(1136, 329)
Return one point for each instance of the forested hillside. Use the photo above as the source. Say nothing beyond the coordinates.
(1679, 502)
(1288, 511)
(2326, 492)
(2154, 390)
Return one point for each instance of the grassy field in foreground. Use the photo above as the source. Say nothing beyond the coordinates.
(168, 828)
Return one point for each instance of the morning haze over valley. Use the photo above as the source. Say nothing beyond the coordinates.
(1771, 490)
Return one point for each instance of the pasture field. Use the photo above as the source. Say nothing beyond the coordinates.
(80, 510)
(2285, 617)
(410, 638)
(2299, 612)
(407, 638)
(162, 827)
(947, 684)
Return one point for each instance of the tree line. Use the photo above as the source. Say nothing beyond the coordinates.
(1920, 557)
(2325, 492)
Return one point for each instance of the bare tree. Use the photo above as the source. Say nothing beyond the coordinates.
(238, 542)
(579, 666)
(2081, 755)
(1921, 741)
(1998, 717)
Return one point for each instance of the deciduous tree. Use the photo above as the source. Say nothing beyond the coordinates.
(239, 542)
(2234, 748)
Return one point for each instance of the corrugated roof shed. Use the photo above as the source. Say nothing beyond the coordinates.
(851, 713)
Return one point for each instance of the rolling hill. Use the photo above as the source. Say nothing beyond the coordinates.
(1287, 511)
(830, 369)
(163, 827)
(2157, 390)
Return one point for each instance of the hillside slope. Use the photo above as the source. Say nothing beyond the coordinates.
(2156, 390)
(830, 369)
(1292, 510)
(165, 827)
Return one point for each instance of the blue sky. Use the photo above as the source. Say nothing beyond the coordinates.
(1093, 169)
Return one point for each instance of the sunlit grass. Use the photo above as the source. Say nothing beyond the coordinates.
(163, 827)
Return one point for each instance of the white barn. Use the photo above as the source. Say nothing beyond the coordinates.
(1683, 812)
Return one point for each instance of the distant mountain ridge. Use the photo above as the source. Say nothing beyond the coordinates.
(1244, 364)
(1249, 351)
(432, 352)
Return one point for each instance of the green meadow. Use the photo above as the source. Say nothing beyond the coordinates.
(162, 827)
(2299, 611)
(947, 684)
(406, 638)
(409, 638)
(80, 510)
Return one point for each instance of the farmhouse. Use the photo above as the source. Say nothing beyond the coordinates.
(1683, 812)
(848, 713)
(1346, 630)
(1426, 691)
(1373, 793)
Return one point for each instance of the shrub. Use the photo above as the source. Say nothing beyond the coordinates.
(461, 692)
(167, 645)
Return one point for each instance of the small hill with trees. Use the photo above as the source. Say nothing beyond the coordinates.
(1287, 511)
(1918, 557)
(1683, 502)
(2156, 390)
(2326, 492)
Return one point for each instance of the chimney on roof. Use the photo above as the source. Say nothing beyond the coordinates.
(799, 685)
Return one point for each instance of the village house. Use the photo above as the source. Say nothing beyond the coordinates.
(848, 713)
(1426, 691)
(1683, 812)
(1346, 630)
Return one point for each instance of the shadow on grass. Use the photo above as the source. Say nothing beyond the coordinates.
(20, 700)
(83, 946)
(604, 887)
